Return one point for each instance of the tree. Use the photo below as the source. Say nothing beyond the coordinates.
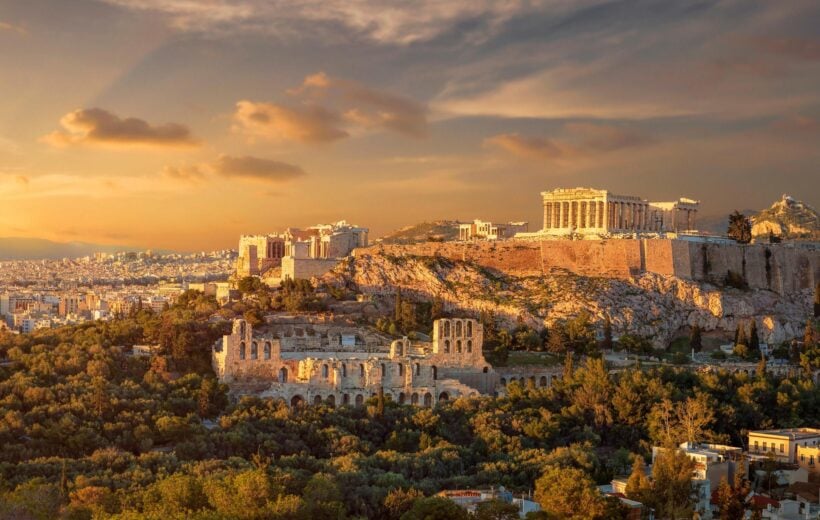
(435, 508)
(754, 340)
(731, 499)
(693, 417)
(606, 344)
(496, 510)
(740, 228)
(695, 340)
(399, 501)
(568, 493)
(638, 486)
(672, 489)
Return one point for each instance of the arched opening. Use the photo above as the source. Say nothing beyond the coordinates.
(503, 381)
(428, 400)
(523, 382)
(532, 381)
(254, 350)
(469, 346)
(486, 369)
(458, 346)
(317, 400)
(359, 399)
(435, 372)
(443, 397)
(418, 369)
(414, 399)
(325, 371)
(267, 350)
(296, 401)
(470, 329)
(446, 346)
(283, 375)
(543, 381)
(346, 399)
(402, 398)
(242, 350)
(331, 401)
(458, 329)
(447, 328)
(344, 370)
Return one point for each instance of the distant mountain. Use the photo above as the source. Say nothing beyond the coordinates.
(18, 248)
(437, 230)
(787, 219)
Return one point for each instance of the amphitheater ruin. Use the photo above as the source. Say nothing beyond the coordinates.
(302, 360)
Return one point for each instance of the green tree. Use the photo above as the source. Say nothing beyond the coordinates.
(568, 493)
(435, 508)
(731, 499)
(496, 510)
(638, 486)
(399, 501)
(740, 228)
(672, 487)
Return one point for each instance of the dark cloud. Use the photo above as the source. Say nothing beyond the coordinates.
(98, 127)
(256, 168)
(306, 124)
(579, 140)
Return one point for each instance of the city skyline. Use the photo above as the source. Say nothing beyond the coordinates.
(177, 125)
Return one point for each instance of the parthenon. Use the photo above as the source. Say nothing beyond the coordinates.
(592, 211)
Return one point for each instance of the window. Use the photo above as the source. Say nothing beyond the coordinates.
(401, 369)
(384, 370)
(469, 345)
(418, 369)
(267, 350)
(458, 346)
(446, 346)
(254, 351)
(781, 447)
(242, 350)
(325, 371)
(469, 329)
(765, 445)
(361, 370)
(344, 372)
(757, 448)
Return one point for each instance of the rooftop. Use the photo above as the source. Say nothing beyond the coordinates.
(790, 433)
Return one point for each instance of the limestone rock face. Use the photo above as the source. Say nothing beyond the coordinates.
(648, 304)
(787, 218)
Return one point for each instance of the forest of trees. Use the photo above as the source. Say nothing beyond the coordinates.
(88, 431)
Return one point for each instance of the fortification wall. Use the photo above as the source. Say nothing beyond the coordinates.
(783, 268)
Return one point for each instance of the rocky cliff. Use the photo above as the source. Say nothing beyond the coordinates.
(649, 304)
(787, 219)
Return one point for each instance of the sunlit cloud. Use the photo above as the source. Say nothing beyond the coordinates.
(98, 127)
(327, 109)
(256, 168)
(10, 27)
(184, 173)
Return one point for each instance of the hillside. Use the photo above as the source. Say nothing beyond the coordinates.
(436, 230)
(650, 304)
(787, 219)
(21, 248)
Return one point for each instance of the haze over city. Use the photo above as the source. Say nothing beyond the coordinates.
(180, 125)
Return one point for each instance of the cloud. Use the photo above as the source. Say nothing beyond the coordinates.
(307, 124)
(328, 109)
(256, 168)
(791, 47)
(98, 127)
(581, 140)
(796, 126)
(381, 21)
(6, 26)
(185, 173)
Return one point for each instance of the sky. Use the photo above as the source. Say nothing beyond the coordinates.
(181, 124)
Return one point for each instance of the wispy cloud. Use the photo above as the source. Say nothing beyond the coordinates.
(98, 127)
(256, 168)
(10, 27)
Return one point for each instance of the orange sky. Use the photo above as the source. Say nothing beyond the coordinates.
(180, 125)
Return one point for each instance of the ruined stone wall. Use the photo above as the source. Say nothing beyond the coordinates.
(785, 268)
(306, 268)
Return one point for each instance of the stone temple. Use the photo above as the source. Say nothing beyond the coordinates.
(589, 211)
(306, 362)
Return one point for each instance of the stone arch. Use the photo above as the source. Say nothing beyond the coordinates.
(434, 370)
(470, 346)
(359, 399)
(428, 400)
(414, 399)
(331, 401)
(241, 350)
(296, 401)
(325, 371)
(447, 328)
(469, 328)
(443, 397)
(317, 400)
(459, 330)
(283, 375)
(402, 398)
(254, 350)
(266, 352)
(458, 346)
(446, 346)
(543, 381)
